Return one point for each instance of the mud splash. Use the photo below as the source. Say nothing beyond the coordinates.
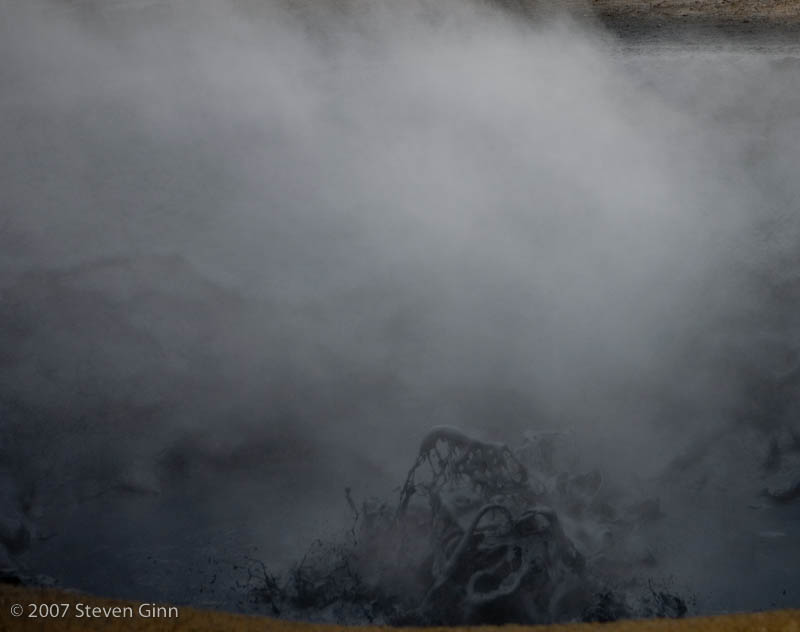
(481, 534)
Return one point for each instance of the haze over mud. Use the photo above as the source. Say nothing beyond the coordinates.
(250, 252)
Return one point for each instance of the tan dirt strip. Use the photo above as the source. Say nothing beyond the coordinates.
(194, 620)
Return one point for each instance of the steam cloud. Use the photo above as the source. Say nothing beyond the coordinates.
(269, 245)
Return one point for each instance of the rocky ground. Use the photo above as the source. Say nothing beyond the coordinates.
(777, 12)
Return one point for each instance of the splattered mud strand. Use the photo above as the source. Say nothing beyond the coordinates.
(477, 538)
(202, 620)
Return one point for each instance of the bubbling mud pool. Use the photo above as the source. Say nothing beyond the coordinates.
(252, 254)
